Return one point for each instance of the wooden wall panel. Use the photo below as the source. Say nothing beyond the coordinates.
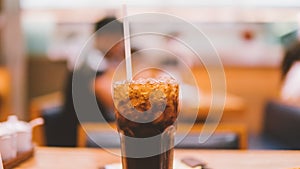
(254, 84)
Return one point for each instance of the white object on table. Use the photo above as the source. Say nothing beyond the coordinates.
(8, 148)
(177, 165)
(23, 131)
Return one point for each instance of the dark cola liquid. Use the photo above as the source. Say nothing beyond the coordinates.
(161, 146)
(145, 118)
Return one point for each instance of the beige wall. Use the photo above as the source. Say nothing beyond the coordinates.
(13, 51)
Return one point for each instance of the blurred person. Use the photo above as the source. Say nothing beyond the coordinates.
(290, 69)
(183, 54)
(110, 53)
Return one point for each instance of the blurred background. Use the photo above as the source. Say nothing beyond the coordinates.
(40, 40)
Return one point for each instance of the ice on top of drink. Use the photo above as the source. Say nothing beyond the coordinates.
(146, 101)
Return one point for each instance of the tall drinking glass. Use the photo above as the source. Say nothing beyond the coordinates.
(146, 113)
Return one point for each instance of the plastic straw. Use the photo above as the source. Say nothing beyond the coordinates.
(127, 43)
(1, 164)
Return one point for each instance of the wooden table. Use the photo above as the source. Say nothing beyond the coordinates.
(234, 107)
(73, 158)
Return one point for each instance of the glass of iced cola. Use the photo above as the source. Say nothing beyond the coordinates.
(146, 113)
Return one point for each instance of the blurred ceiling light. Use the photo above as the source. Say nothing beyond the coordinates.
(69, 4)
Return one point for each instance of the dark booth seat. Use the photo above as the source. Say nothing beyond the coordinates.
(56, 135)
(222, 140)
(56, 130)
(282, 124)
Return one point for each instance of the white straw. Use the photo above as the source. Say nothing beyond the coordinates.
(1, 164)
(127, 43)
